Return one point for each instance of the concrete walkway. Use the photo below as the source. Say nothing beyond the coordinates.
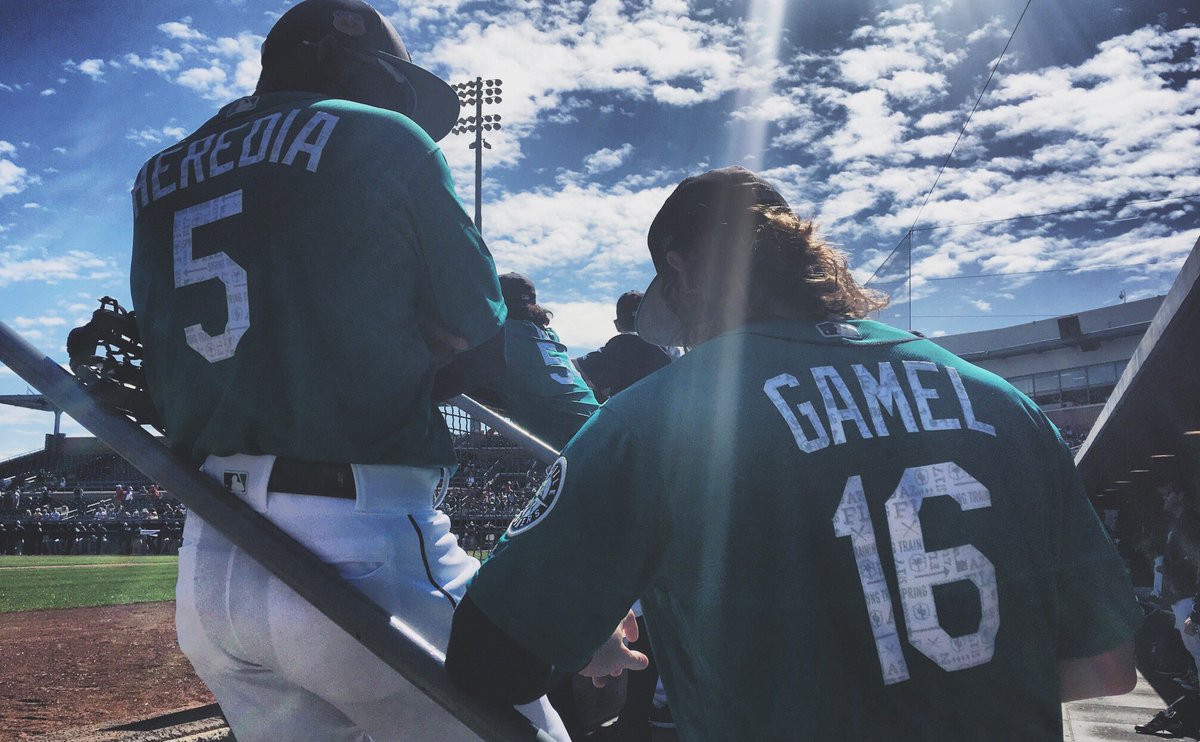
(1111, 718)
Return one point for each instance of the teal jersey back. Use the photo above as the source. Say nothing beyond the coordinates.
(837, 530)
(283, 257)
(540, 389)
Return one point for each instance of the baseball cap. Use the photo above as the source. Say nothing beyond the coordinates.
(517, 290)
(716, 201)
(357, 27)
(627, 307)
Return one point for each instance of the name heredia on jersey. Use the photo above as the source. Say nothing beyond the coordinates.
(883, 392)
(264, 139)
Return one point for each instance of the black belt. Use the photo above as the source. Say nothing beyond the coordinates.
(312, 478)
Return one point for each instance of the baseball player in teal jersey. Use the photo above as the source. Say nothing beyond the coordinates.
(540, 388)
(838, 530)
(301, 269)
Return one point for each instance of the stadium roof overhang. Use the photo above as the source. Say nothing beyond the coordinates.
(29, 401)
(1151, 423)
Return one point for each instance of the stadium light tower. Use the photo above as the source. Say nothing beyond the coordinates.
(475, 93)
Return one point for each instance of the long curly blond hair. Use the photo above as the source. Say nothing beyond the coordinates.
(798, 264)
(788, 263)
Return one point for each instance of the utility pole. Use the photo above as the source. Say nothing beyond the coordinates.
(475, 93)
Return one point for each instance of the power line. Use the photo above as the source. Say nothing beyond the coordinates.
(908, 235)
(972, 113)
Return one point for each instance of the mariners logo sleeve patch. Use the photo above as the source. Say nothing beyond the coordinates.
(543, 502)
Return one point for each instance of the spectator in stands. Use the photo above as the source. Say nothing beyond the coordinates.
(1181, 585)
(625, 358)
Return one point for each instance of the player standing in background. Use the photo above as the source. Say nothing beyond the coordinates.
(626, 357)
(838, 529)
(301, 269)
(540, 388)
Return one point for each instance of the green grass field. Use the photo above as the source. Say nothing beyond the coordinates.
(33, 583)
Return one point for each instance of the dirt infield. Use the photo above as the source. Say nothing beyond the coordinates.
(77, 667)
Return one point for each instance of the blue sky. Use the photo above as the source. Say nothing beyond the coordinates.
(850, 107)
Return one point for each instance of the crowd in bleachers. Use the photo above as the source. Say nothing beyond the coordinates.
(84, 504)
(494, 478)
(98, 504)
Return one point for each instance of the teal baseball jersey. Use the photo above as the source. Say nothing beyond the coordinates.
(837, 530)
(284, 256)
(541, 390)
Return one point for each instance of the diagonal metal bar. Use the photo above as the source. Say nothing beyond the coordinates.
(386, 636)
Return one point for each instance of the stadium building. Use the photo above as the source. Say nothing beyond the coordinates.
(1068, 365)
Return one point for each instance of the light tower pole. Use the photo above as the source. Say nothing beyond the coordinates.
(475, 93)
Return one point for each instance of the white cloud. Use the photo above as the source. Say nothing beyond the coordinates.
(207, 80)
(598, 230)
(181, 29)
(9, 88)
(980, 304)
(149, 135)
(7, 148)
(93, 68)
(46, 320)
(607, 159)
(583, 326)
(60, 150)
(546, 52)
(160, 60)
(47, 92)
(15, 266)
(996, 28)
(243, 51)
(14, 178)
(232, 73)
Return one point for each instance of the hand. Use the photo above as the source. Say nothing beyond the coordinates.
(442, 343)
(1190, 627)
(614, 656)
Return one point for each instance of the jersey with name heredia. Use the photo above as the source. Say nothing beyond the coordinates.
(838, 531)
(282, 257)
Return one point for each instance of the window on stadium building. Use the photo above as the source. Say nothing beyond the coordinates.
(1071, 387)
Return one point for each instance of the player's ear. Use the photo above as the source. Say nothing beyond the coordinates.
(685, 270)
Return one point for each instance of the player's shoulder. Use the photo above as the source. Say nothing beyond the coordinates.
(522, 329)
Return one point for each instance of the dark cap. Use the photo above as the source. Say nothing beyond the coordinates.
(627, 307)
(517, 290)
(355, 25)
(717, 202)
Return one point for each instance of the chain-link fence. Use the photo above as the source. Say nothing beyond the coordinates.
(495, 479)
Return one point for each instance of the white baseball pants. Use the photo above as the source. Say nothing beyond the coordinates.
(277, 666)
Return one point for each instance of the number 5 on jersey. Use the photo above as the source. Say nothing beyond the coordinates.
(219, 266)
(918, 571)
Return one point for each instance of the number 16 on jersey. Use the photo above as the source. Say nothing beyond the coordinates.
(918, 571)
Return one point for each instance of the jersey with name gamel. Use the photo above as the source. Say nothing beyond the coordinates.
(283, 256)
(837, 530)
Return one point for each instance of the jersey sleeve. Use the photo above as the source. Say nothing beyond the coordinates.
(462, 275)
(1097, 610)
(576, 559)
